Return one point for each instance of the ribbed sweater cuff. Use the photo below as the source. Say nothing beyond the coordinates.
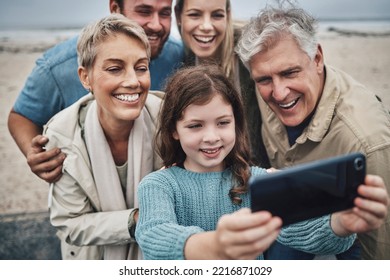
(167, 242)
(315, 236)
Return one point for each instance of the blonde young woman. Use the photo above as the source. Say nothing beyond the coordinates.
(208, 34)
(108, 139)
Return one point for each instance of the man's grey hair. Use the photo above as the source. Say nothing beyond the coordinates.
(275, 23)
(97, 32)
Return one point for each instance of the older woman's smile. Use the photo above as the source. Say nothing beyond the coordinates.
(127, 97)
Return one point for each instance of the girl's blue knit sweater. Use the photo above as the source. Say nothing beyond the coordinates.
(176, 203)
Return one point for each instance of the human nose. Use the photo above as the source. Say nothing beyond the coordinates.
(279, 90)
(131, 80)
(154, 22)
(206, 24)
(211, 135)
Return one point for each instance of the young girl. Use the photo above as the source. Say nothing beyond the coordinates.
(185, 208)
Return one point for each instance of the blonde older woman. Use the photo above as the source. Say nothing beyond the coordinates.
(108, 138)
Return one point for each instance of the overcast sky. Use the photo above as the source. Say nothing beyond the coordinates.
(68, 13)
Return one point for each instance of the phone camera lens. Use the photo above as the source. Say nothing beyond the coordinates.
(359, 164)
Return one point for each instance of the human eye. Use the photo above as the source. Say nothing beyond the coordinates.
(193, 14)
(166, 13)
(142, 68)
(224, 122)
(145, 12)
(114, 69)
(194, 126)
(290, 73)
(263, 80)
(218, 15)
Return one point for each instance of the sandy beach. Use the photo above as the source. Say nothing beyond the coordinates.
(364, 57)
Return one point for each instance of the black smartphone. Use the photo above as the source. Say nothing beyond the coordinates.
(309, 190)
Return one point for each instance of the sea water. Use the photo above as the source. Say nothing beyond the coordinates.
(40, 24)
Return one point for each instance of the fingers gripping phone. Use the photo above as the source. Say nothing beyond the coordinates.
(309, 190)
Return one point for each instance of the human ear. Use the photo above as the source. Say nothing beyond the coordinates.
(319, 59)
(175, 135)
(84, 79)
(114, 7)
(178, 18)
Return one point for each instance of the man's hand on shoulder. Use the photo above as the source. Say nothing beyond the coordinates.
(47, 165)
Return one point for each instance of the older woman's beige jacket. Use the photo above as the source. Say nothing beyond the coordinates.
(75, 195)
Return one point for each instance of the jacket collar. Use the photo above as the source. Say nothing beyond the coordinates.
(324, 112)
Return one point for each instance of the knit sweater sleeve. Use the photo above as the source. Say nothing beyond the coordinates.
(158, 233)
(315, 236)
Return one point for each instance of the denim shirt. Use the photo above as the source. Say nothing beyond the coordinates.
(170, 59)
(54, 83)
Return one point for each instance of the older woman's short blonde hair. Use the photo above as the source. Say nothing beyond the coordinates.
(97, 32)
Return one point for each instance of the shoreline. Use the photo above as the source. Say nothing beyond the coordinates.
(366, 58)
(40, 39)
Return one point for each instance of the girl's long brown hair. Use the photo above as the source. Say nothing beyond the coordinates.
(197, 85)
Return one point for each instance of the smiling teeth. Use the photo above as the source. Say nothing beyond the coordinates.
(153, 38)
(204, 39)
(127, 97)
(210, 151)
(288, 105)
